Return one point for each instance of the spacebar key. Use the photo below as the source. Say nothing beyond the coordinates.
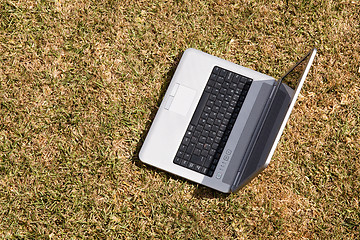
(200, 108)
(197, 159)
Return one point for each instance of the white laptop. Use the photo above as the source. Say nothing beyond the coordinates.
(219, 123)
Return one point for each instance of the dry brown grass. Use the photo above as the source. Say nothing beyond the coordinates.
(81, 80)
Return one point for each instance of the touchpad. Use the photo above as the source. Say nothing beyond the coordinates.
(182, 100)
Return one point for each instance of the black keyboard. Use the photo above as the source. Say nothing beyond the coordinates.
(213, 120)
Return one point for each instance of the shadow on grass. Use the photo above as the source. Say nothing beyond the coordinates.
(201, 192)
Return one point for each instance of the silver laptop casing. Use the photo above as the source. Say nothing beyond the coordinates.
(172, 119)
(253, 138)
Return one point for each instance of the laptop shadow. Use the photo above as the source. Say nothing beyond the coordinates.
(200, 192)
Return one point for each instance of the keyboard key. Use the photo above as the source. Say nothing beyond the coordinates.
(218, 122)
(213, 134)
(208, 162)
(233, 86)
(210, 121)
(207, 127)
(200, 146)
(236, 78)
(184, 163)
(207, 146)
(177, 160)
(185, 141)
(197, 134)
(197, 151)
(207, 109)
(215, 145)
(204, 153)
(191, 165)
(204, 115)
(180, 154)
(223, 72)
(202, 121)
(214, 128)
(190, 149)
(208, 89)
(205, 133)
(230, 91)
(229, 76)
(182, 148)
(199, 160)
(225, 105)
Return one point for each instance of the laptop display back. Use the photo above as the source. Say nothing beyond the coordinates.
(273, 121)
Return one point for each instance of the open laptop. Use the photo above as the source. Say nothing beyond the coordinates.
(219, 123)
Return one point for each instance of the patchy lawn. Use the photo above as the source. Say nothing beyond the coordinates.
(80, 82)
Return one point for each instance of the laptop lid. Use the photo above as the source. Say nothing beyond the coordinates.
(272, 121)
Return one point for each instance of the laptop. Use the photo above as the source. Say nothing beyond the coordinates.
(219, 123)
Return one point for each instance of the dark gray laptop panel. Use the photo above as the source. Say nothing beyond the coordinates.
(272, 122)
(257, 159)
(246, 134)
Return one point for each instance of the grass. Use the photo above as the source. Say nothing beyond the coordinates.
(80, 82)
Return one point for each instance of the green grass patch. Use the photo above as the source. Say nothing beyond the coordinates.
(80, 82)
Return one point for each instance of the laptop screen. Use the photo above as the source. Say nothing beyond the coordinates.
(294, 75)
